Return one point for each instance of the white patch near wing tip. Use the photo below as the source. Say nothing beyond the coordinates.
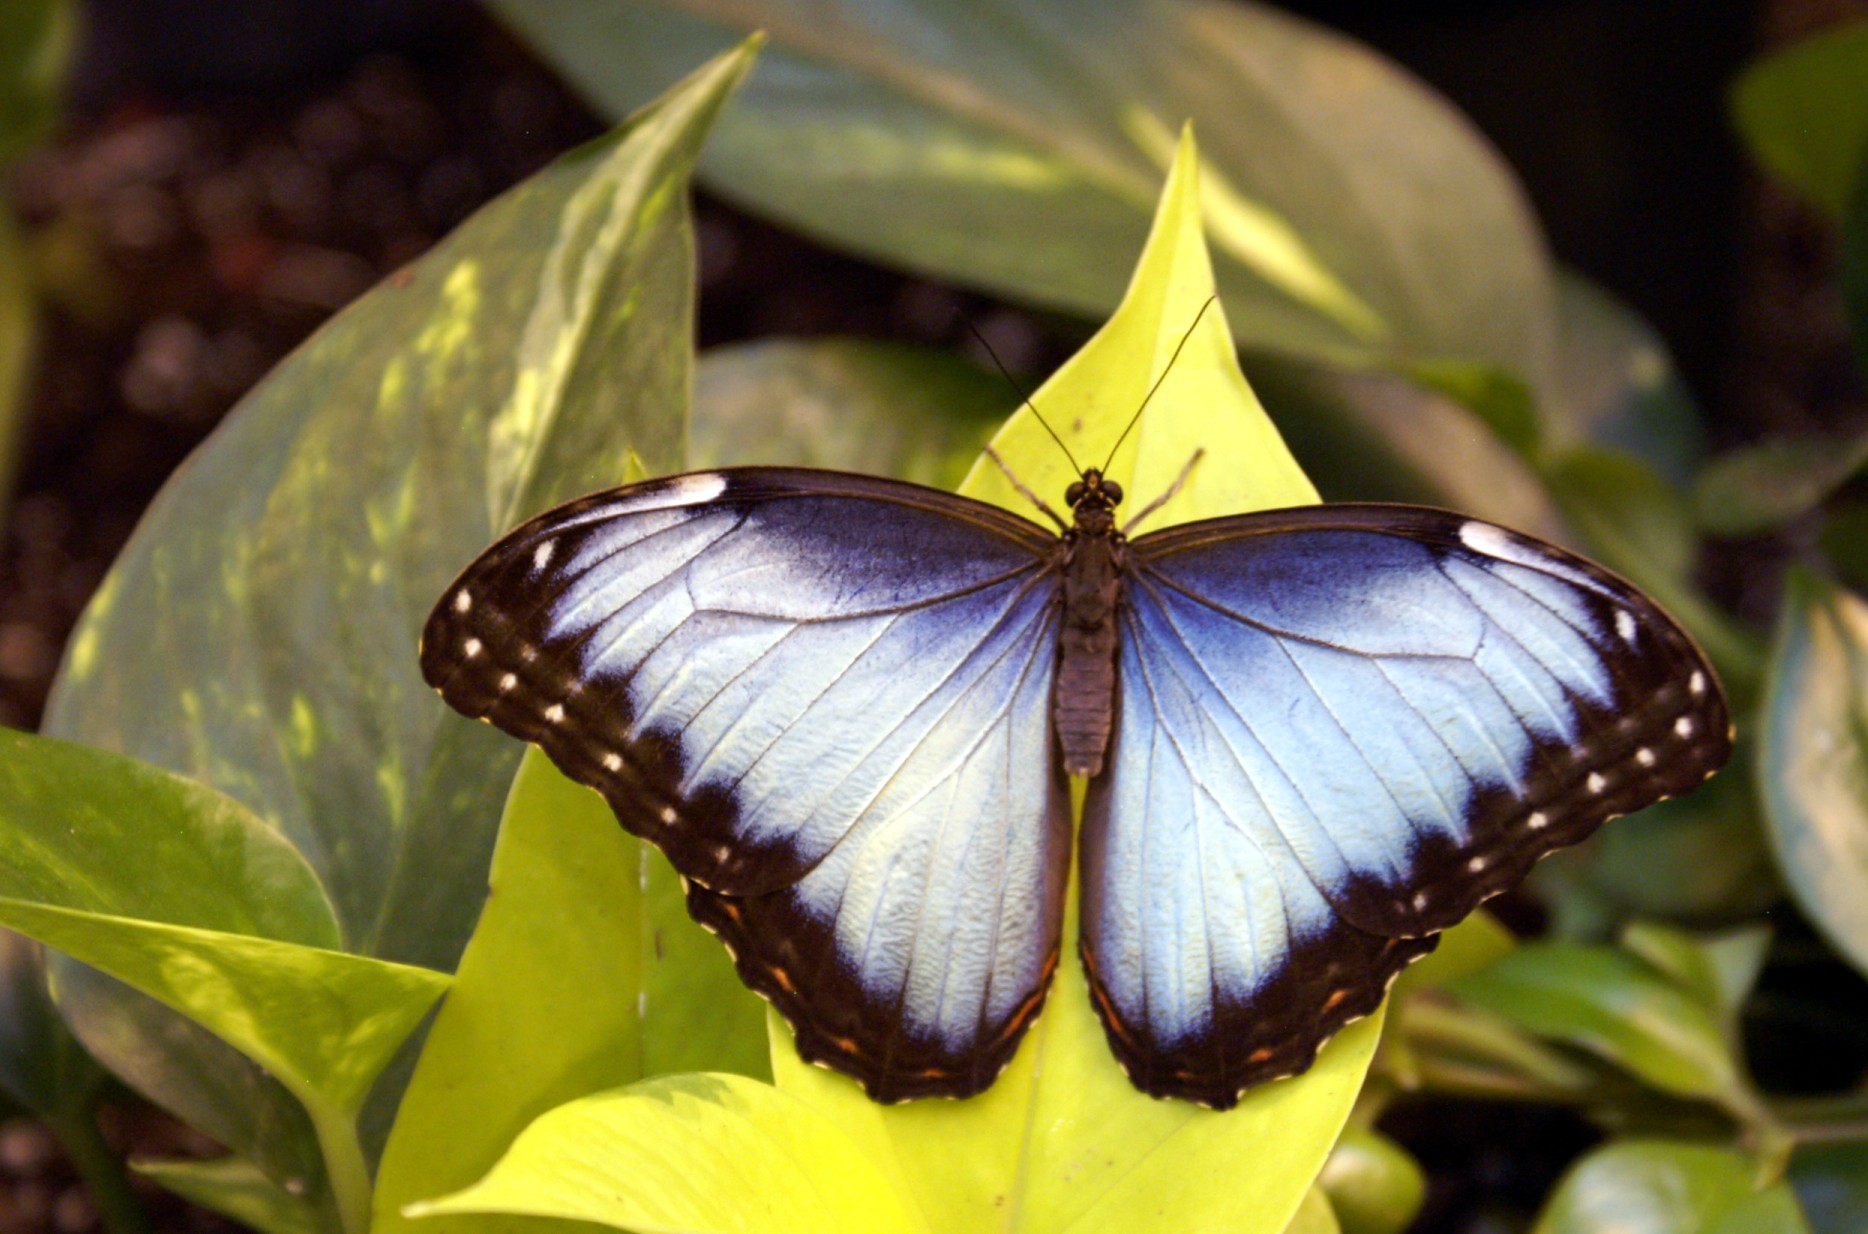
(1538, 820)
(1502, 545)
(1684, 726)
(1697, 683)
(541, 556)
(470, 648)
(462, 600)
(1596, 783)
(697, 488)
(1625, 626)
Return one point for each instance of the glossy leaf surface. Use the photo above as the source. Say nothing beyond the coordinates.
(1016, 147)
(1813, 759)
(259, 632)
(1609, 1002)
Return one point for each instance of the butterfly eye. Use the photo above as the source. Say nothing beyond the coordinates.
(1113, 491)
(1074, 493)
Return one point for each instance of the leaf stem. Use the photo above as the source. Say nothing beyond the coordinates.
(101, 1169)
(346, 1172)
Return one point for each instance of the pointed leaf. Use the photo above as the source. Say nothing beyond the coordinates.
(848, 404)
(324, 1022)
(260, 630)
(1813, 758)
(1062, 1140)
(1016, 147)
(236, 1189)
(572, 984)
(86, 829)
(1660, 1187)
(687, 1153)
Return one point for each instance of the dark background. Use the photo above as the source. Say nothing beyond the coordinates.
(232, 171)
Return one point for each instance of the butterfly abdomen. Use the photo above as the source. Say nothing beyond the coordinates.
(1084, 702)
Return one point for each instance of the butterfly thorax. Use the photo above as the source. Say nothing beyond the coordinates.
(1093, 554)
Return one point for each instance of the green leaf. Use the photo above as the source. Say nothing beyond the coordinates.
(1719, 970)
(260, 631)
(1661, 1187)
(324, 1022)
(1804, 113)
(1017, 146)
(694, 1153)
(1610, 1003)
(236, 1189)
(1376, 437)
(36, 40)
(585, 974)
(93, 831)
(847, 404)
(1831, 1182)
(1761, 488)
(1617, 385)
(1373, 1184)
(1813, 758)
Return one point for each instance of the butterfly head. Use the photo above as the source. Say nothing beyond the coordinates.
(1092, 501)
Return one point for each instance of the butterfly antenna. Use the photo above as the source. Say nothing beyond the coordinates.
(1023, 397)
(1178, 347)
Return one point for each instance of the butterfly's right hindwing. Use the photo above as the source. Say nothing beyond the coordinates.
(826, 699)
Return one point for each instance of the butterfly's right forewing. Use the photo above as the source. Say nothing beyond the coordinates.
(826, 699)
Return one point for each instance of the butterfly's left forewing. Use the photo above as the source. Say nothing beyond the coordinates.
(826, 699)
(1339, 729)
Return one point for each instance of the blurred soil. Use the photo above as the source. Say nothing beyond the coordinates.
(188, 238)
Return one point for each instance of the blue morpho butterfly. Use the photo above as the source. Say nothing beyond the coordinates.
(846, 707)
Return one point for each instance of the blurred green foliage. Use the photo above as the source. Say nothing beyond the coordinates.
(1397, 313)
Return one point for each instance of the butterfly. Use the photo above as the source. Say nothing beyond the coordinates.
(847, 710)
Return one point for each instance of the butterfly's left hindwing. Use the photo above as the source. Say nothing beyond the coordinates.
(1339, 729)
(827, 699)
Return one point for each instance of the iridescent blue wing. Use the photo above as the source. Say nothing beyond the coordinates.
(827, 699)
(1339, 729)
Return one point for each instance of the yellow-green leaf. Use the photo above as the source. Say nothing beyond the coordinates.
(1063, 1141)
(699, 1154)
(584, 974)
